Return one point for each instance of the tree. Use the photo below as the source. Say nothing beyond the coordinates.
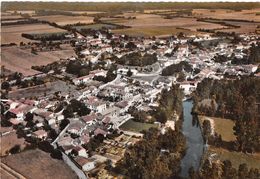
(206, 126)
(64, 123)
(242, 171)
(15, 149)
(45, 146)
(5, 85)
(56, 154)
(53, 134)
(129, 73)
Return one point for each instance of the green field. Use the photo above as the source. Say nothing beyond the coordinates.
(222, 126)
(133, 126)
(236, 158)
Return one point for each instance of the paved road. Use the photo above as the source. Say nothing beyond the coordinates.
(72, 165)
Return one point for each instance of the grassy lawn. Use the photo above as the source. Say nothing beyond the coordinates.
(133, 126)
(236, 158)
(152, 31)
(222, 126)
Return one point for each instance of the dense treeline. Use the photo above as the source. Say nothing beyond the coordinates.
(176, 68)
(20, 22)
(156, 156)
(124, 6)
(224, 170)
(237, 100)
(137, 59)
(46, 36)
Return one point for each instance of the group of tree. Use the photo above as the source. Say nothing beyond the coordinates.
(75, 106)
(237, 100)
(170, 104)
(110, 76)
(224, 170)
(155, 156)
(76, 67)
(177, 68)
(137, 59)
(46, 36)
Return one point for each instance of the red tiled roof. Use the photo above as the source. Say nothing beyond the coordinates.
(99, 131)
(89, 117)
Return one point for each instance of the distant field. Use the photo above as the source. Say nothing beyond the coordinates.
(150, 24)
(133, 126)
(224, 127)
(5, 16)
(95, 26)
(38, 164)
(64, 20)
(155, 31)
(85, 12)
(245, 27)
(236, 158)
(23, 12)
(12, 33)
(156, 10)
(16, 59)
(10, 140)
(151, 20)
(227, 14)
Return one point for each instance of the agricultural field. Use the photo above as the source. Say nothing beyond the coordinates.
(86, 12)
(23, 12)
(236, 158)
(97, 26)
(245, 27)
(10, 140)
(40, 90)
(133, 126)
(147, 24)
(156, 31)
(38, 164)
(65, 20)
(12, 33)
(8, 16)
(20, 60)
(222, 126)
(228, 14)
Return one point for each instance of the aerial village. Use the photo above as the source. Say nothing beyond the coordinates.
(81, 105)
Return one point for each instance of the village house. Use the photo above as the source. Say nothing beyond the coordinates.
(40, 134)
(96, 104)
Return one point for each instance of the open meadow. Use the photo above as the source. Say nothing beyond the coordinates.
(38, 164)
(133, 126)
(236, 158)
(65, 20)
(13, 33)
(222, 126)
(21, 60)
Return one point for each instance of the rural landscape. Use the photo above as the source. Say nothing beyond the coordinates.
(138, 90)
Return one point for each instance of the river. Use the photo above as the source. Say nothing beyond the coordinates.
(194, 141)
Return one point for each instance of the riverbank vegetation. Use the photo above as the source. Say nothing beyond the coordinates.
(156, 156)
(237, 100)
(228, 111)
(226, 170)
